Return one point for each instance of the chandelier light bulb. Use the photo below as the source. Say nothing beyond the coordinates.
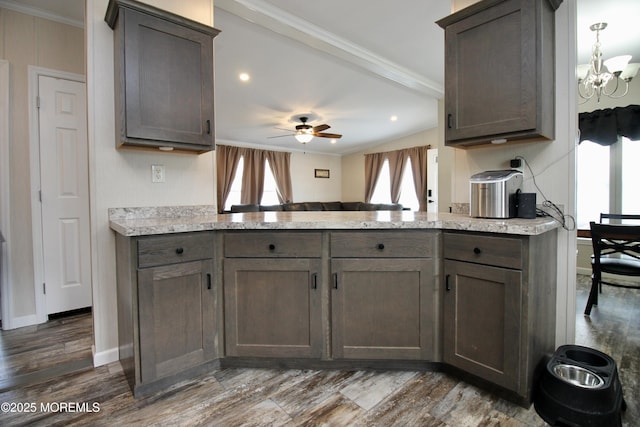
(617, 63)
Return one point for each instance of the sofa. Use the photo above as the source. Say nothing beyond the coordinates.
(318, 206)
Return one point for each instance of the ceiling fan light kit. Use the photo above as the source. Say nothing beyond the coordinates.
(594, 77)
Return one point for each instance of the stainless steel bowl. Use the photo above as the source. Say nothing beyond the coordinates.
(578, 376)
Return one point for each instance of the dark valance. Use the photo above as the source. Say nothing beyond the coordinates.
(605, 126)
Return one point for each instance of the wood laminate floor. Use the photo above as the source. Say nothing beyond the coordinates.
(264, 397)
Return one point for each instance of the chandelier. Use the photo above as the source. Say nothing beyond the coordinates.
(600, 77)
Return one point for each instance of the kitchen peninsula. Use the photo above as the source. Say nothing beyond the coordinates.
(344, 290)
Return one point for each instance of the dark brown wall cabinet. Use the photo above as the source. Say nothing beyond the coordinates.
(166, 308)
(500, 72)
(499, 306)
(164, 78)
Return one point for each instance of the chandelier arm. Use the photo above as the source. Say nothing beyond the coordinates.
(604, 88)
(586, 93)
(626, 90)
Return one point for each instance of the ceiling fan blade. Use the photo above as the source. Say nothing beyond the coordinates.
(320, 128)
(327, 135)
(284, 129)
(281, 136)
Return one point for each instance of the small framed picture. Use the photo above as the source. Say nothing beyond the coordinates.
(321, 173)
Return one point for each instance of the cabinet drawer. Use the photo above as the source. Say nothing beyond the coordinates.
(382, 244)
(489, 250)
(171, 249)
(273, 245)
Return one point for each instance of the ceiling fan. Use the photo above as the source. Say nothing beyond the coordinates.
(305, 132)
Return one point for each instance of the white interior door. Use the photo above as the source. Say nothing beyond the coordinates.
(432, 180)
(64, 178)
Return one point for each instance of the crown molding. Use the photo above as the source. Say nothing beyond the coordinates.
(282, 22)
(40, 13)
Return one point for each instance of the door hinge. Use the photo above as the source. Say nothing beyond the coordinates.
(37, 102)
(40, 196)
(44, 288)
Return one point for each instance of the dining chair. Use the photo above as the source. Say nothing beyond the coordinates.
(616, 250)
(618, 217)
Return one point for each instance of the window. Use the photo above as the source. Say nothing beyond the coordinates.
(382, 192)
(236, 187)
(269, 195)
(605, 180)
(269, 192)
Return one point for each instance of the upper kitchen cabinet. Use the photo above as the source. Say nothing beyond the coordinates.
(164, 78)
(499, 72)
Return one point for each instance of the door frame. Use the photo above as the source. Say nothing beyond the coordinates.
(34, 170)
(5, 199)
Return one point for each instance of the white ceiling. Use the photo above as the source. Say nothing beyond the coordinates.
(350, 64)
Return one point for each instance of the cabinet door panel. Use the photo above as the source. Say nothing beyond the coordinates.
(272, 307)
(482, 321)
(383, 309)
(495, 85)
(169, 81)
(176, 318)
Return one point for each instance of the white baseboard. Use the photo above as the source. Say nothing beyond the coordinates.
(104, 357)
(607, 276)
(19, 322)
(582, 270)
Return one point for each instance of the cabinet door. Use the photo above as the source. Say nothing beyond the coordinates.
(383, 308)
(482, 321)
(491, 73)
(168, 82)
(177, 318)
(272, 307)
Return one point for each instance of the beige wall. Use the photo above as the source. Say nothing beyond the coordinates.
(121, 178)
(27, 40)
(307, 188)
(353, 164)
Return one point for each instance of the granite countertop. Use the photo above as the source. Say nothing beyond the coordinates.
(179, 219)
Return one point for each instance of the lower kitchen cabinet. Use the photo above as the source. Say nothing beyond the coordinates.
(383, 308)
(482, 323)
(176, 318)
(166, 308)
(499, 306)
(272, 307)
(272, 294)
(383, 298)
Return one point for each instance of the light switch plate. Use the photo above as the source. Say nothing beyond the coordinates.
(157, 173)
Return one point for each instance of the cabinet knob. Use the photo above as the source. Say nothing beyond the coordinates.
(271, 246)
(179, 251)
(477, 251)
(381, 246)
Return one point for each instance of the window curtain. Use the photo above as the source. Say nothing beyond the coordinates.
(227, 159)
(397, 161)
(253, 176)
(372, 167)
(280, 163)
(418, 157)
(606, 126)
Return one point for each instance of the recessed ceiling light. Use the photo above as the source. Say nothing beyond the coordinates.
(245, 77)
(394, 118)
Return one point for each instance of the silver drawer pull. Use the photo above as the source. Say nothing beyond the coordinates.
(477, 251)
(179, 251)
(272, 247)
(380, 246)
